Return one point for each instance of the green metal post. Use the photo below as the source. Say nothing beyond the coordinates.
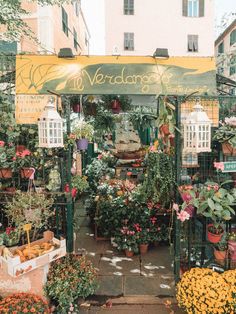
(69, 201)
(177, 177)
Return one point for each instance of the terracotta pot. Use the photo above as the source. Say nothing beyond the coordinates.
(115, 106)
(228, 149)
(143, 248)
(212, 237)
(5, 173)
(220, 255)
(165, 129)
(232, 250)
(129, 253)
(10, 189)
(26, 173)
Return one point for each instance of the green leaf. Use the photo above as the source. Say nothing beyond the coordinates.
(211, 203)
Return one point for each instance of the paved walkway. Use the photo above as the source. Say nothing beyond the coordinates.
(132, 285)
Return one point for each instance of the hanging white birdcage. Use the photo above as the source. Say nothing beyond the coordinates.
(50, 127)
(197, 131)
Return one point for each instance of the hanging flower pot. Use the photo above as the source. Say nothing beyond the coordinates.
(116, 106)
(228, 149)
(26, 173)
(143, 248)
(5, 173)
(129, 253)
(214, 234)
(82, 144)
(76, 108)
(165, 129)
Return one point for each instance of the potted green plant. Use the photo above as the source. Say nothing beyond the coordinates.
(126, 240)
(215, 203)
(7, 164)
(83, 132)
(226, 134)
(29, 208)
(68, 279)
(143, 236)
(10, 237)
(142, 117)
(220, 250)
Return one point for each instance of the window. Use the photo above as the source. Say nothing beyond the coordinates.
(232, 70)
(75, 39)
(233, 37)
(221, 48)
(65, 22)
(76, 7)
(193, 8)
(128, 7)
(192, 43)
(128, 41)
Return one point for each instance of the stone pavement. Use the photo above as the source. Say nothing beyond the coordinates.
(132, 285)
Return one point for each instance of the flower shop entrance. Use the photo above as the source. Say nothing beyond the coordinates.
(123, 76)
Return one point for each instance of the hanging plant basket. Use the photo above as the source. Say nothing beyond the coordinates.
(82, 144)
(76, 108)
(5, 173)
(26, 173)
(116, 106)
(228, 149)
(214, 237)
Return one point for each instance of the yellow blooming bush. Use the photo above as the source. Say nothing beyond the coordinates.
(204, 291)
(230, 278)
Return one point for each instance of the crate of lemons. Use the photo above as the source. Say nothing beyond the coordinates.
(202, 290)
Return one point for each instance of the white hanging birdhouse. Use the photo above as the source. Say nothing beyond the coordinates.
(197, 131)
(50, 127)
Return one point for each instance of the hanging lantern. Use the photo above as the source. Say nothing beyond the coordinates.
(50, 127)
(197, 131)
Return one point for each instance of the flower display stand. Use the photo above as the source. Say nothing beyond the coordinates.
(14, 267)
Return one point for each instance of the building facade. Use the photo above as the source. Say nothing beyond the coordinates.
(138, 27)
(54, 27)
(225, 52)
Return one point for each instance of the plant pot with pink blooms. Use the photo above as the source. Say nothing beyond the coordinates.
(126, 240)
(232, 246)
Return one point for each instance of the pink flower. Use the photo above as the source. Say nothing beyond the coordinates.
(219, 165)
(176, 207)
(153, 220)
(100, 156)
(2, 143)
(186, 197)
(150, 205)
(183, 215)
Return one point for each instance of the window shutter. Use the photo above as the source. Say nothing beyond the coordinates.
(185, 7)
(201, 7)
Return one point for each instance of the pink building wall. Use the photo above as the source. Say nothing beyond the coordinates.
(158, 24)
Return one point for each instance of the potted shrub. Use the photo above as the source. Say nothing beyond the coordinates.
(83, 132)
(29, 208)
(143, 236)
(7, 154)
(215, 203)
(24, 303)
(220, 251)
(226, 134)
(126, 240)
(68, 279)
